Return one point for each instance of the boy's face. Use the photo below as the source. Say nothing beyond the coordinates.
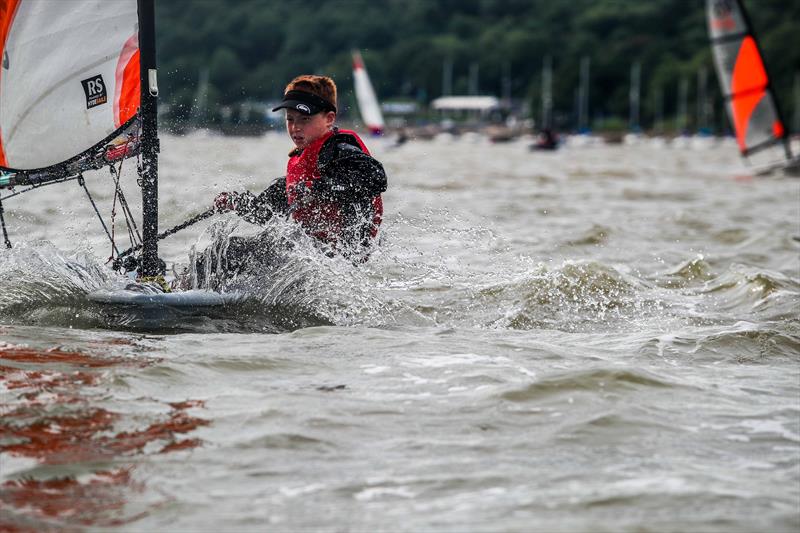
(305, 129)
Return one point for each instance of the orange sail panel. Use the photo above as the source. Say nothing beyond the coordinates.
(127, 93)
(749, 85)
(8, 9)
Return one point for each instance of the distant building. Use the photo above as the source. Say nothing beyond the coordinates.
(482, 105)
(399, 108)
(469, 108)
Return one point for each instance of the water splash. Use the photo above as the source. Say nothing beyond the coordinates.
(285, 270)
(499, 290)
(39, 283)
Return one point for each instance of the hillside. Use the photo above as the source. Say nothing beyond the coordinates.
(251, 48)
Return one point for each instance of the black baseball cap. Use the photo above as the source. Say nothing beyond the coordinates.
(304, 102)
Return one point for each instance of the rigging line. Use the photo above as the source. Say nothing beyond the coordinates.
(85, 188)
(113, 216)
(3, 223)
(133, 234)
(115, 173)
(195, 219)
(32, 187)
(130, 220)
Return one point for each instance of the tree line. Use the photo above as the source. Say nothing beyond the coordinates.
(247, 50)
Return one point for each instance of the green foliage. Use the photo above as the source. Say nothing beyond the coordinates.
(252, 48)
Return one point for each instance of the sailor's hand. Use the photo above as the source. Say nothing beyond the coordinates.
(225, 201)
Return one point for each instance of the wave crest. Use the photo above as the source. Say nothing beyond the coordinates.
(769, 294)
(600, 379)
(573, 294)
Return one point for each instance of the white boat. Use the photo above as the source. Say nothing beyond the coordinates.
(78, 94)
(367, 101)
(753, 109)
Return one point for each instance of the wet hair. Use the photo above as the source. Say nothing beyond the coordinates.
(321, 86)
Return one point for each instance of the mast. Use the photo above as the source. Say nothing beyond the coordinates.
(702, 101)
(658, 109)
(150, 146)
(682, 122)
(796, 91)
(447, 77)
(634, 96)
(547, 92)
(506, 84)
(583, 109)
(473, 79)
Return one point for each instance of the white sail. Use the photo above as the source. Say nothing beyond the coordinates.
(69, 77)
(71, 100)
(365, 94)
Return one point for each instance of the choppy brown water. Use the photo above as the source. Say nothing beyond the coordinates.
(603, 338)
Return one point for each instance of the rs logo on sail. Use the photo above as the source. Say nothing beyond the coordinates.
(95, 90)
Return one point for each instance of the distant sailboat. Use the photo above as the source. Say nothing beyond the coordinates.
(751, 103)
(547, 139)
(367, 101)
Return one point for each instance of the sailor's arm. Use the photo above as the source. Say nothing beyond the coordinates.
(256, 209)
(351, 175)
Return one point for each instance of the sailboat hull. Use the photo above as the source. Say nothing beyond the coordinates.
(163, 311)
(183, 300)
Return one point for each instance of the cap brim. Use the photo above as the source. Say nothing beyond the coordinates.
(297, 105)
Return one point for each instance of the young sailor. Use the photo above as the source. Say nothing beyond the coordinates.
(332, 187)
(332, 190)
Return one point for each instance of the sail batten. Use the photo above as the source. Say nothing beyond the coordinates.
(744, 80)
(746, 92)
(120, 144)
(728, 38)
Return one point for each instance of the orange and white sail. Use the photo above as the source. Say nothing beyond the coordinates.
(69, 81)
(744, 79)
(367, 101)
